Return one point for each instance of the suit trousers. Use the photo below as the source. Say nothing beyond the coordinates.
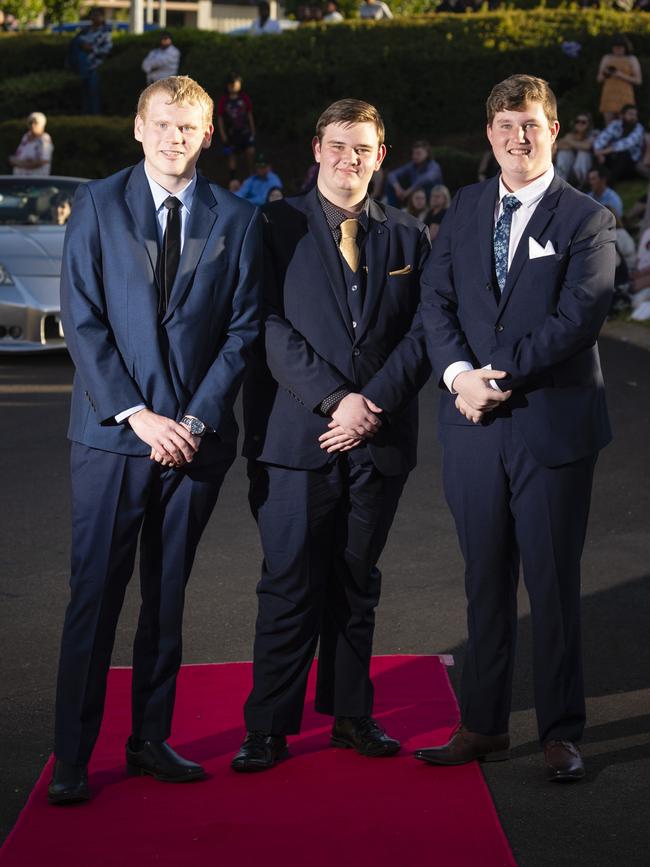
(509, 509)
(115, 499)
(322, 533)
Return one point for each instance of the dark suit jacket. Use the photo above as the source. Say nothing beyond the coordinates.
(311, 348)
(190, 362)
(543, 329)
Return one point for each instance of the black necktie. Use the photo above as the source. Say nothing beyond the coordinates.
(171, 251)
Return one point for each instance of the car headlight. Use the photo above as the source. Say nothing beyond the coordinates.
(5, 276)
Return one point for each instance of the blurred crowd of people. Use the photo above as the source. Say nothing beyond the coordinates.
(594, 157)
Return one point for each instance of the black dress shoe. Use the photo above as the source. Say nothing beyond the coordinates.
(465, 746)
(363, 734)
(69, 784)
(563, 761)
(159, 760)
(259, 752)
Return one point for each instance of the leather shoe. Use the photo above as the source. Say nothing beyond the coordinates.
(563, 761)
(259, 752)
(69, 784)
(465, 746)
(159, 760)
(363, 734)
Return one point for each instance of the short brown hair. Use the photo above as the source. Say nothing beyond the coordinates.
(349, 112)
(513, 93)
(182, 90)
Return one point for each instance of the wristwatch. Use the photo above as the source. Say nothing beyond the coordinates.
(196, 427)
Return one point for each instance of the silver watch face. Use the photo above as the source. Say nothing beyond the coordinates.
(197, 428)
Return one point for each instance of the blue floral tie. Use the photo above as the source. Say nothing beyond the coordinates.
(502, 238)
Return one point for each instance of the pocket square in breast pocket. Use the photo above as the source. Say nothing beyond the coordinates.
(400, 272)
(536, 251)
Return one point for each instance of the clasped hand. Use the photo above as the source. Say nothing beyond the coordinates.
(172, 445)
(355, 419)
(474, 394)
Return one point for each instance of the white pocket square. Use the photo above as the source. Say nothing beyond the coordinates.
(536, 251)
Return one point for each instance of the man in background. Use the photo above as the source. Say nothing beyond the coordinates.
(163, 61)
(257, 187)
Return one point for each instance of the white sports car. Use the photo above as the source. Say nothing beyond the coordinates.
(33, 213)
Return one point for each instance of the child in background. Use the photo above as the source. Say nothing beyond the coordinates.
(236, 124)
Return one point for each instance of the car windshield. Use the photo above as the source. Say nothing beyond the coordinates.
(36, 201)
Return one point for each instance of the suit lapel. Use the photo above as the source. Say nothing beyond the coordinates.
(536, 226)
(140, 203)
(376, 256)
(322, 236)
(485, 217)
(201, 220)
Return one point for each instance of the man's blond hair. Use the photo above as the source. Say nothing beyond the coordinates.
(180, 90)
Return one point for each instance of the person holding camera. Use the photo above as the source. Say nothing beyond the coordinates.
(619, 72)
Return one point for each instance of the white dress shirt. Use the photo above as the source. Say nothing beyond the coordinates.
(185, 196)
(529, 196)
(161, 63)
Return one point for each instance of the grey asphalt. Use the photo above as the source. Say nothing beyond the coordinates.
(602, 821)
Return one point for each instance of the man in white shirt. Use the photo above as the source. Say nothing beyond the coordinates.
(513, 298)
(264, 24)
(163, 61)
(374, 10)
(332, 14)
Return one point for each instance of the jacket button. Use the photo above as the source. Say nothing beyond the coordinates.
(499, 328)
(488, 286)
(356, 352)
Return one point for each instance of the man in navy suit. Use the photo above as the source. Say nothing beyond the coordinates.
(160, 303)
(331, 430)
(513, 299)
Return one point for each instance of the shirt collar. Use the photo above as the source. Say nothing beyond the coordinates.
(335, 215)
(159, 193)
(531, 193)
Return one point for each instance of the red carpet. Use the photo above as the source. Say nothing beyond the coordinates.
(322, 808)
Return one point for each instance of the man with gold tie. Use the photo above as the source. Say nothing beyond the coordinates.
(331, 430)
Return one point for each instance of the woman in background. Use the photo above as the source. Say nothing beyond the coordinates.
(34, 153)
(439, 201)
(575, 154)
(619, 72)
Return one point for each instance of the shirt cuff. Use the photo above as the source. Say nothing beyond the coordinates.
(122, 416)
(452, 372)
(332, 399)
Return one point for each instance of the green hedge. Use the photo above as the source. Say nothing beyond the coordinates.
(95, 147)
(84, 147)
(429, 75)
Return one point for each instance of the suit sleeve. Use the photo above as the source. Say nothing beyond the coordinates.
(583, 303)
(85, 318)
(218, 389)
(446, 342)
(407, 367)
(291, 359)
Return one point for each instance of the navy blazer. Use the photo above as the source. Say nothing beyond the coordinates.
(542, 330)
(190, 362)
(311, 349)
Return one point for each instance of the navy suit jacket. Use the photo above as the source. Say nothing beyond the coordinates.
(192, 361)
(311, 349)
(543, 329)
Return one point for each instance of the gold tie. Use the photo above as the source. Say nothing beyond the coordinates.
(348, 245)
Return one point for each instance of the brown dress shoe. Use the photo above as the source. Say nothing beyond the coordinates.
(563, 761)
(465, 746)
